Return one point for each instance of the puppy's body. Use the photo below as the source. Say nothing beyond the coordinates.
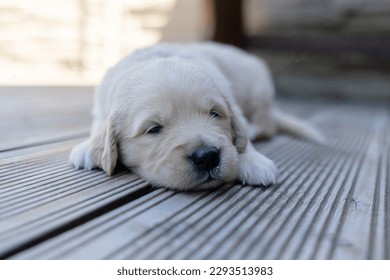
(180, 116)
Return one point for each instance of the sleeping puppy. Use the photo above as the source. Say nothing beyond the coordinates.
(184, 116)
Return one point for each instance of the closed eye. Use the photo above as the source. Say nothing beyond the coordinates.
(154, 129)
(215, 114)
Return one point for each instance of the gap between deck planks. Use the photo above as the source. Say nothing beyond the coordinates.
(330, 202)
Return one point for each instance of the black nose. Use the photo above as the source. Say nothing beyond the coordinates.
(205, 158)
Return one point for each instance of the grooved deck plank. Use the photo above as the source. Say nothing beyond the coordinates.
(307, 215)
(33, 115)
(41, 194)
(330, 202)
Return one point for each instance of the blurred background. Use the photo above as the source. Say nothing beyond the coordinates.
(336, 48)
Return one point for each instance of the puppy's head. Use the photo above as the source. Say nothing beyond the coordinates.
(172, 125)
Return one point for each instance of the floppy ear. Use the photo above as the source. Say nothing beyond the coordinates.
(239, 133)
(103, 148)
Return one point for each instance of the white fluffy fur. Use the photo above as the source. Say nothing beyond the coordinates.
(177, 86)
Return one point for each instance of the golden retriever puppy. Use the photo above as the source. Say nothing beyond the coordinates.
(183, 117)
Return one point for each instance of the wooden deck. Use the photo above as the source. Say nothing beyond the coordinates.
(330, 202)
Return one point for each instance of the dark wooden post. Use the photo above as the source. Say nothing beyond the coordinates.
(228, 22)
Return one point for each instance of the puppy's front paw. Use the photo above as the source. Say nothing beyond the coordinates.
(256, 169)
(80, 156)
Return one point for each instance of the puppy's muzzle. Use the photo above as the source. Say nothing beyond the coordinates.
(205, 158)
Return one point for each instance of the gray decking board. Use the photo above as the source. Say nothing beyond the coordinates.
(34, 115)
(34, 207)
(330, 202)
(42, 205)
